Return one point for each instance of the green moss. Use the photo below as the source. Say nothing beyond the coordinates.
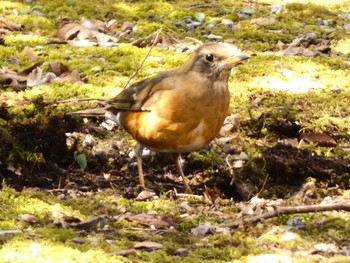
(34, 251)
(106, 70)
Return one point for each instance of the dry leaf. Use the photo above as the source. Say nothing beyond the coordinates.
(31, 68)
(202, 230)
(72, 76)
(148, 246)
(58, 69)
(7, 24)
(124, 253)
(319, 139)
(263, 21)
(28, 218)
(89, 224)
(69, 31)
(146, 195)
(80, 35)
(152, 221)
(71, 219)
(35, 78)
(30, 53)
(7, 76)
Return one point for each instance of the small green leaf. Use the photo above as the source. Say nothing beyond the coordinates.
(81, 160)
(247, 10)
(96, 69)
(199, 16)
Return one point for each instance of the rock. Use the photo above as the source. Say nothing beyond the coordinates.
(345, 251)
(127, 26)
(89, 141)
(148, 246)
(229, 149)
(276, 8)
(296, 222)
(248, 10)
(211, 25)
(329, 22)
(182, 252)
(227, 22)
(78, 240)
(213, 37)
(336, 89)
(202, 229)
(28, 218)
(327, 248)
(255, 103)
(319, 22)
(324, 49)
(344, 16)
(263, 21)
(146, 195)
(346, 26)
(100, 154)
(199, 16)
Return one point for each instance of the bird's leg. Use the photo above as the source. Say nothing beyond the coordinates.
(138, 153)
(184, 179)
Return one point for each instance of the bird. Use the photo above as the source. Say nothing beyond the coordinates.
(177, 111)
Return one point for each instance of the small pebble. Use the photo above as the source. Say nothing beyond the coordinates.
(296, 222)
(211, 25)
(227, 22)
(182, 252)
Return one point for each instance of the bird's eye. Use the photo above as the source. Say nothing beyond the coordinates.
(209, 57)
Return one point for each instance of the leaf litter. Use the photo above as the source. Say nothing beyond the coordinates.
(101, 33)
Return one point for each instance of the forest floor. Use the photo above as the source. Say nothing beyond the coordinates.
(70, 187)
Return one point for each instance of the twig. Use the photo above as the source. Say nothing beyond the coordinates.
(264, 184)
(125, 86)
(200, 6)
(144, 59)
(187, 196)
(284, 210)
(74, 100)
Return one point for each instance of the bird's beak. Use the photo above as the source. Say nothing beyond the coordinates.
(235, 60)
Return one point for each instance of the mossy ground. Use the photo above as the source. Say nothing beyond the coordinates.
(33, 142)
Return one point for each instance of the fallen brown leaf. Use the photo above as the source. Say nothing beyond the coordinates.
(319, 139)
(263, 21)
(30, 53)
(148, 246)
(71, 76)
(153, 221)
(7, 24)
(28, 218)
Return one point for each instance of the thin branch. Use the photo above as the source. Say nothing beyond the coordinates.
(284, 210)
(187, 196)
(125, 86)
(74, 100)
(144, 59)
(264, 184)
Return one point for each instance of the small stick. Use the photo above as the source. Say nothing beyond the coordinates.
(74, 100)
(284, 210)
(144, 59)
(125, 86)
(187, 196)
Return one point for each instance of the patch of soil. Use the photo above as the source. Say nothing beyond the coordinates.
(279, 172)
(32, 154)
(283, 169)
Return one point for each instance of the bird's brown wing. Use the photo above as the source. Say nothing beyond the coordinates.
(136, 96)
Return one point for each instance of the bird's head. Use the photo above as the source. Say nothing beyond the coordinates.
(215, 60)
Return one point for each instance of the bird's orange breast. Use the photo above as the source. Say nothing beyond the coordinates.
(177, 122)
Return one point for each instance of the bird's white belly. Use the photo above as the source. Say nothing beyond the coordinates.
(197, 142)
